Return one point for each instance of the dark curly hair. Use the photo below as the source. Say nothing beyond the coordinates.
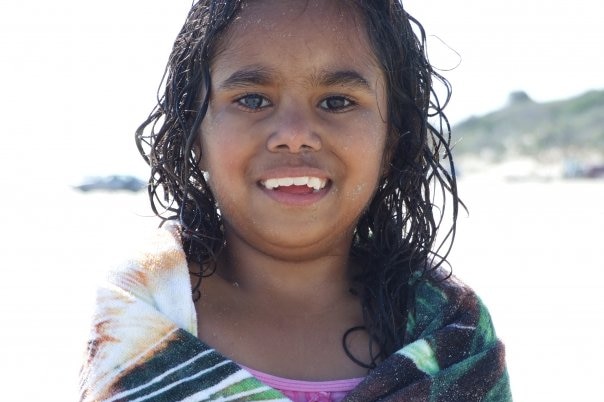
(396, 237)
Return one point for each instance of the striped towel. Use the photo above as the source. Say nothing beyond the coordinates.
(143, 344)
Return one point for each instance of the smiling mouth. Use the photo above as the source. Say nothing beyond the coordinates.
(284, 183)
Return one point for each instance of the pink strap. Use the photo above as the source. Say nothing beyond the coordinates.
(305, 386)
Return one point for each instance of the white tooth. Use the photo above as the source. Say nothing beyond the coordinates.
(271, 183)
(301, 181)
(285, 181)
(315, 183)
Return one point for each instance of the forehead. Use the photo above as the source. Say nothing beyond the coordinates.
(299, 35)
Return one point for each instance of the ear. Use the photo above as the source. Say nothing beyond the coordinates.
(389, 152)
(197, 153)
(385, 169)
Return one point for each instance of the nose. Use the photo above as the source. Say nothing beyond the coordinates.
(293, 132)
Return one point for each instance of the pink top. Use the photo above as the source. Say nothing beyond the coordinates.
(308, 391)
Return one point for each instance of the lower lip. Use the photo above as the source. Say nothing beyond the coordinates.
(296, 198)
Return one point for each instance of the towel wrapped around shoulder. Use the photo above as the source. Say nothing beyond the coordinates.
(143, 343)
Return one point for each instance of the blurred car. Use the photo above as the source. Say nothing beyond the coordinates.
(575, 170)
(112, 183)
(595, 172)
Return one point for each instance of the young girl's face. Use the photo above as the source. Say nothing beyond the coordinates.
(294, 136)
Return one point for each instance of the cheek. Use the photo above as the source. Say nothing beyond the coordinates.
(225, 161)
(372, 156)
(216, 142)
(373, 142)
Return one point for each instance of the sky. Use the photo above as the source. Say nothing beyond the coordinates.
(80, 76)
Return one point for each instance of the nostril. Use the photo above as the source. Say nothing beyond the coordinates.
(294, 141)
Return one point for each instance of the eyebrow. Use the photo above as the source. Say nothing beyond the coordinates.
(263, 76)
(248, 76)
(347, 78)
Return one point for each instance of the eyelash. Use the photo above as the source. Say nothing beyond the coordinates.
(262, 99)
(349, 103)
(265, 102)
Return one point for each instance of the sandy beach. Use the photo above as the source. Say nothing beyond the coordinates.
(530, 249)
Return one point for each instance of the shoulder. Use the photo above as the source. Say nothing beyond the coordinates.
(154, 258)
(155, 275)
(450, 350)
(142, 305)
(441, 301)
(450, 337)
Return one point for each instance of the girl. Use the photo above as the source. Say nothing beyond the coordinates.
(294, 165)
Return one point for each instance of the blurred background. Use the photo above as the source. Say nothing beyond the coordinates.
(528, 116)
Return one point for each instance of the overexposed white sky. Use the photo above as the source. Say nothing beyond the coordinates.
(79, 76)
(550, 49)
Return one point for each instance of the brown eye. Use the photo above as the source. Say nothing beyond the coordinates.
(336, 103)
(253, 102)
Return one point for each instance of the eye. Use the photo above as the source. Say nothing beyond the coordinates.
(336, 103)
(253, 102)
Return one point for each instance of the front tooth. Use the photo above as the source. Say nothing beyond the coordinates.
(285, 181)
(300, 181)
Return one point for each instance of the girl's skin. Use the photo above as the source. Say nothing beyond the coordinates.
(296, 92)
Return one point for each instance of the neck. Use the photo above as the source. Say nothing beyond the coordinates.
(316, 281)
(259, 307)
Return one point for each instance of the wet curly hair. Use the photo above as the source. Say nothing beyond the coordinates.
(396, 236)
